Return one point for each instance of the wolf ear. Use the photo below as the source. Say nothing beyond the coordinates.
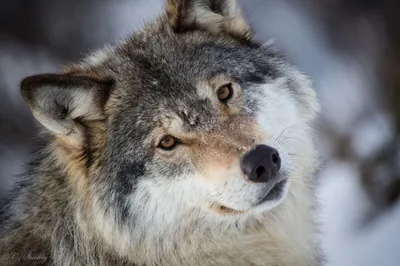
(217, 16)
(57, 100)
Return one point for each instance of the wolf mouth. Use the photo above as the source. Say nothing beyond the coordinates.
(221, 209)
(275, 193)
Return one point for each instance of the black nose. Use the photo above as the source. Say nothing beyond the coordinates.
(261, 164)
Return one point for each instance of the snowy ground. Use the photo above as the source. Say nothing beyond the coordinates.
(345, 240)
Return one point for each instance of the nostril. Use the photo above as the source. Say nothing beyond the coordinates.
(260, 170)
(261, 163)
(275, 158)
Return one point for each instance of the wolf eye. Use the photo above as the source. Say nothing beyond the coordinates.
(225, 92)
(168, 142)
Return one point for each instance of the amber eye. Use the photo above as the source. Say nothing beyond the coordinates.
(225, 93)
(168, 142)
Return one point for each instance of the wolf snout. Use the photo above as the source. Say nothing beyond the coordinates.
(261, 164)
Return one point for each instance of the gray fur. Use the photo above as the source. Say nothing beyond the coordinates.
(100, 192)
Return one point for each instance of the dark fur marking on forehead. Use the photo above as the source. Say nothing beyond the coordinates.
(197, 113)
(189, 118)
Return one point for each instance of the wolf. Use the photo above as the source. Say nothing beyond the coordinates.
(188, 143)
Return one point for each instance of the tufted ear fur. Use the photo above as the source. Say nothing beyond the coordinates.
(217, 16)
(58, 101)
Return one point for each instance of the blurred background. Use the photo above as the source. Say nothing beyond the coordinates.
(350, 48)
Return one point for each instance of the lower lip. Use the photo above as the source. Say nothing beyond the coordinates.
(275, 192)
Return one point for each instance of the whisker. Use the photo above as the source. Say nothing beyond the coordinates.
(282, 132)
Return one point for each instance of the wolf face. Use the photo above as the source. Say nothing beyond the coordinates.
(175, 97)
(186, 129)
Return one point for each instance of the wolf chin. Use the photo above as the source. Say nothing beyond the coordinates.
(188, 143)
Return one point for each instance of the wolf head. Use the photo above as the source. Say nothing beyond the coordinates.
(188, 122)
